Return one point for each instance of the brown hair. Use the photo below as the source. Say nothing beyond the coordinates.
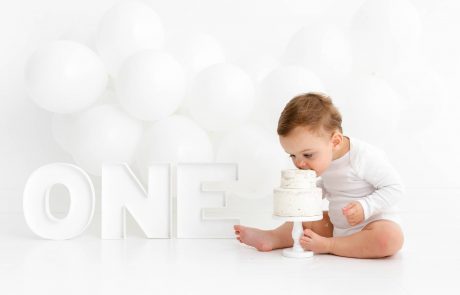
(312, 109)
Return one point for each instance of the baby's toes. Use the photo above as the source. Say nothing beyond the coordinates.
(309, 233)
(305, 246)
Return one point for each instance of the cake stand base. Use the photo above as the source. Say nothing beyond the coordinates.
(297, 231)
(291, 253)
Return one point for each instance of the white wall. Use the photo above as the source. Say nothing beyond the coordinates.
(426, 156)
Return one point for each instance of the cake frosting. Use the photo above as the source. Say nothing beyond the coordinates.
(298, 195)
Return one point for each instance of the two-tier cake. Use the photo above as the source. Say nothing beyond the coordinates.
(298, 195)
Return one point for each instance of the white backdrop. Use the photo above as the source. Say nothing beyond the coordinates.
(391, 69)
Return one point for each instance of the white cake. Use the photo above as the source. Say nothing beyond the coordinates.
(298, 195)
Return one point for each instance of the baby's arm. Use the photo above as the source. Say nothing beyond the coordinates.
(373, 167)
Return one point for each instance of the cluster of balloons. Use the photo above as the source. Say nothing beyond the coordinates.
(193, 105)
(130, 100)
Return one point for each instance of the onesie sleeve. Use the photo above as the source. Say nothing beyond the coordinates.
(374, 167)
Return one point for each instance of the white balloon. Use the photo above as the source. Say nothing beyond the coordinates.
(258, 66)
(199, 51)
(440, 43)
(259, 156)
(61, 126)
(279, 87)
(384, 33)
(222, 96)
(65, 77)
(150, 85)
(175, 139)
(82, 31)
(370, 109)
(424, 98)
(297, 8)
(104, 134)
(325, 49)
(127, 28)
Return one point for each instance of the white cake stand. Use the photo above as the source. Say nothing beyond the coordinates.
(297, 231)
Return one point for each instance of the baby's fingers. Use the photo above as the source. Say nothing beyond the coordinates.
(352, 211)
(350, 219)
(349, 209)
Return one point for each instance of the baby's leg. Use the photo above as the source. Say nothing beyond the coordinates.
(322, 227)
(280, 237)
(265, 240)
(378, 239)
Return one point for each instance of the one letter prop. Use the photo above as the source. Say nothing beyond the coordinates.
(37, 206)
(192, 199)
(122, 192)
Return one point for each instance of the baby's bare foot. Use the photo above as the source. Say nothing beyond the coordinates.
(262, 240)
(311, 241)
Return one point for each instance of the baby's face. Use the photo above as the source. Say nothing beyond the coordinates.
(308, 150)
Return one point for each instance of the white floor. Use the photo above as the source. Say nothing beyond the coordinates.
(428, 264)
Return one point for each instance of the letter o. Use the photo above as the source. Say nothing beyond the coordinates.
(36, 201)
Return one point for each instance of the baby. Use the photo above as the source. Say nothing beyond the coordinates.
(361, 186)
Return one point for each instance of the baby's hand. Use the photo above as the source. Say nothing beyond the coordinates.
(354, 213)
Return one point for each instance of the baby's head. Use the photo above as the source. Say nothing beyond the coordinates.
(310, 131)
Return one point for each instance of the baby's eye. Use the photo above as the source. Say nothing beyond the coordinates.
(307, 155)
(292, 156)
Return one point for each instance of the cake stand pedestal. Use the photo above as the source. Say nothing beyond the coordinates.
(297, 231)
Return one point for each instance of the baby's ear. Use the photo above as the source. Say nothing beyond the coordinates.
(336, 139)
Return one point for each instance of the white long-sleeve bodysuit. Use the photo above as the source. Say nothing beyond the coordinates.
(363, 174)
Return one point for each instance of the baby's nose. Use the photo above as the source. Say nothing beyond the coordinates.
(302, 165)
